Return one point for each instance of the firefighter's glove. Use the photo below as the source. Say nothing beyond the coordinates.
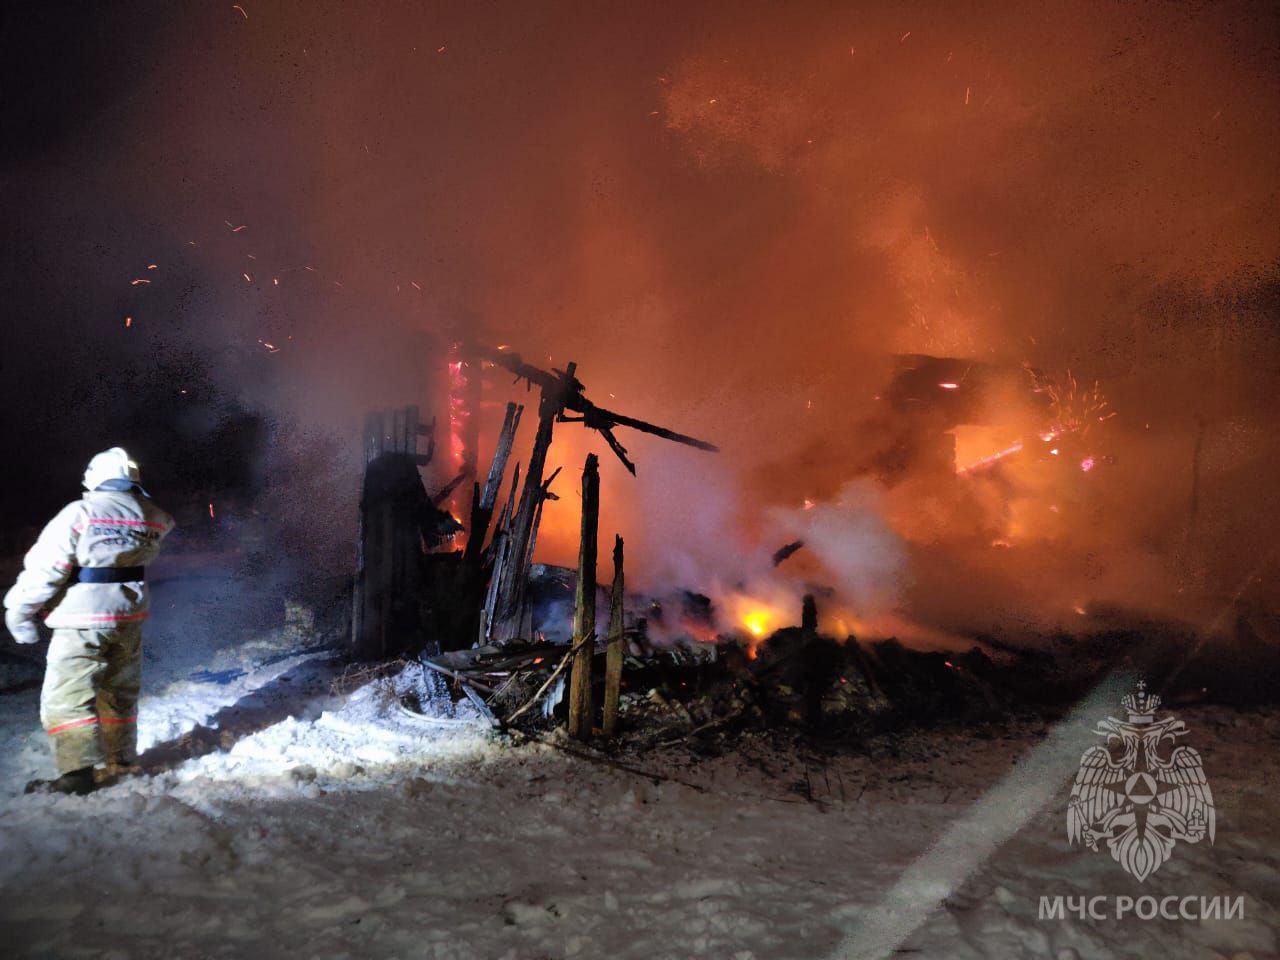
(22, 629)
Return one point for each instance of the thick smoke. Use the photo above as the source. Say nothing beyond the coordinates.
(731, 217)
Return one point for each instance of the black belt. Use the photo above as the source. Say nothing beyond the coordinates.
(109, 574)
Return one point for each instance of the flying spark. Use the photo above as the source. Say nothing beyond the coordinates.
(236, 6)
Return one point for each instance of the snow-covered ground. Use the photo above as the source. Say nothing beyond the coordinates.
(290, 821)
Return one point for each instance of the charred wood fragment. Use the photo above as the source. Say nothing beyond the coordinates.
(786, 551)
(614, 652)
(584, 619)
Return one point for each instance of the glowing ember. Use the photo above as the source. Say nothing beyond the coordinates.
(1087, 464)
(949, 386)
(211, 515)
(1074, 409)
(128, 322)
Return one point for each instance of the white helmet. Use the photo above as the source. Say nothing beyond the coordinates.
(113, 464)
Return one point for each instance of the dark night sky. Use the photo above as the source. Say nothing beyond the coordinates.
(727, 213)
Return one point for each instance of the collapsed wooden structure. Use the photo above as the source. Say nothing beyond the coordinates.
(411, 598)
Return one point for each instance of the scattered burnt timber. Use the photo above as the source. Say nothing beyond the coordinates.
(409, 591)
(512, 580)
(561, 393)
(804, 686)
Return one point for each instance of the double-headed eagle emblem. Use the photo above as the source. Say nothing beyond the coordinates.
(1137, 801)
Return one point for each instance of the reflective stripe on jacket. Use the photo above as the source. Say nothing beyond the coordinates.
(106, 528)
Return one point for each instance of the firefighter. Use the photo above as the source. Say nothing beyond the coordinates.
(85, 578)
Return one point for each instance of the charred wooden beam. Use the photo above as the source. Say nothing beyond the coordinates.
(593, 416)
(447, 490)
(506, 438)
(515, 574)
(483, 501)
(598, 418)
(614, 651)
(584, 617)
(504, 520)
(499, 547)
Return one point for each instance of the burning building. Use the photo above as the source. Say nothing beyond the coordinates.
(977, 302)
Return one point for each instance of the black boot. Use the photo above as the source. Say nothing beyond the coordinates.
(77, 782)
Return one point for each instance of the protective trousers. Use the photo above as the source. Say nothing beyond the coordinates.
(89, 703)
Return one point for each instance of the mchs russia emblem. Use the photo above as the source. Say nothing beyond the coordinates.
(1140, 794)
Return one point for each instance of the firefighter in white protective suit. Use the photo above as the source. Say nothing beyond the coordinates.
(85, 578)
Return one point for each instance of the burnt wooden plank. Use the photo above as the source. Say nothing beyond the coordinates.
(614, 651)
(584, 618)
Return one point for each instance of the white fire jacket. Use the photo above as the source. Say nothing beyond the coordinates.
(106, 528)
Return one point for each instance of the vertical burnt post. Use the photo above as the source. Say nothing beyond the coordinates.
(613, 656)
(509, 616)
(584, 618)
(809, 614)
(486, 498)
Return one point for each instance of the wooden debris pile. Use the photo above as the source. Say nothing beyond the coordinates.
(797, 679)
(410, 596)
(803, 681)
(434, 606)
